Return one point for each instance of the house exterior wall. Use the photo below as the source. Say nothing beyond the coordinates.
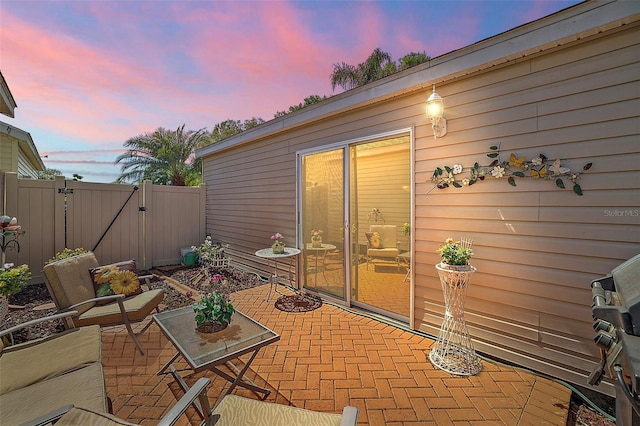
(537, 247)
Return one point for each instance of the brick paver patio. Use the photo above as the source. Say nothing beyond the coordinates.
(332, 357)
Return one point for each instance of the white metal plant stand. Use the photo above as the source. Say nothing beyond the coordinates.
(453, 351)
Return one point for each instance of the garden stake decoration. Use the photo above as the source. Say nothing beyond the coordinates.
(539, 167)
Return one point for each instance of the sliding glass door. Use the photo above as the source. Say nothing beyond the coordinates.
(357, 198)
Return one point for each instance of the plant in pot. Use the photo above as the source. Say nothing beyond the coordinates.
(214, 310)
(456, 254)
(12, 281)
(316, 238)
(278, 243)
(212, 254)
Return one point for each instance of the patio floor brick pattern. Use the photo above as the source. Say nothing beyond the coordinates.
(329, 358)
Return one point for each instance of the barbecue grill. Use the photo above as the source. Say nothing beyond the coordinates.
(616, 314)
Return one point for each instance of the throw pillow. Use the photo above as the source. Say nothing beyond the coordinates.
(116, 278)
(374, 240)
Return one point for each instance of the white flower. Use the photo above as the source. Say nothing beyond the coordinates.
(457, 168)
(537, 161)
(497, 172)
(465, 182)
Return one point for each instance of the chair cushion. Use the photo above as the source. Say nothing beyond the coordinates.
(138, 308)
(236, 410)
(374, 240)
(116, 278)
(83, 416)
(84, 387)
(388, 235)
(385, 252)
(70, 282)
(49, 358)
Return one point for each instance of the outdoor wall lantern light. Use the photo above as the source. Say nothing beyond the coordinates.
(435, 111)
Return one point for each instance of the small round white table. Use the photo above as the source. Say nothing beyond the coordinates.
(267, 253)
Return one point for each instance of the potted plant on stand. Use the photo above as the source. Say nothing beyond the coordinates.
(453, 351)
(12, 281)
(214, 310)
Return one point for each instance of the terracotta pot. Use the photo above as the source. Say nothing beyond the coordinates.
(211, 327)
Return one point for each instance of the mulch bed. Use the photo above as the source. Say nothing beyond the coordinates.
(37, 303)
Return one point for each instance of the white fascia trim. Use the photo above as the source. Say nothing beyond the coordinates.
(25, 141)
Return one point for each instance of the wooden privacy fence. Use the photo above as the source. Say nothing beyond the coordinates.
(149, 223)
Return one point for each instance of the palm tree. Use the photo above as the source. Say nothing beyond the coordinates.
(376, 66)
(163, 157)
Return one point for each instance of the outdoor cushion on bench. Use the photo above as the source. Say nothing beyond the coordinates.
(43, 374)
(24, 364)
(84, 386)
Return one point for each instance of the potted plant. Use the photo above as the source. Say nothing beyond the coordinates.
(213, 312)
(456, 254)
(278, 243)
(316, 238)
(212, 254)
(406, 228)
(12, 281)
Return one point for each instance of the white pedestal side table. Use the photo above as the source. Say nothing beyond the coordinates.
(453, 351)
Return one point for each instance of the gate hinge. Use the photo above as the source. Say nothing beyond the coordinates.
(142, 209)
(65, 191)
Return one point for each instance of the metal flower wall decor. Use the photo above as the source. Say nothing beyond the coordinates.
(539, 167)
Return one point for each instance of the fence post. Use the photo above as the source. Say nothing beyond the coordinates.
(59, 214)
(145, 233)
(203, 210)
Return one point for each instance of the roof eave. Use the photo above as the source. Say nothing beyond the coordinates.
(25, 142)
(7, 102)
(571, 24)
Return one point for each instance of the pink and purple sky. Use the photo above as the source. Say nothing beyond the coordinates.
(88, 75)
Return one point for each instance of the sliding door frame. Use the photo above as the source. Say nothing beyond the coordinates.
(345, 145)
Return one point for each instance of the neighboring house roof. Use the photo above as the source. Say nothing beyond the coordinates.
(7, 103)
(566, 26)
(25, 143)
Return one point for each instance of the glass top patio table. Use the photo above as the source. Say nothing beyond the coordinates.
(202, 350)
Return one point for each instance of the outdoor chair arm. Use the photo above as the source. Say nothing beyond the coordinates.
(349, 416)
(37, 321)
(98, 299)
(198, 390)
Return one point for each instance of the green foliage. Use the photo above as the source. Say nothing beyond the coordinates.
(48, 174)
(378, 65)
(215, 306)
(66, 253)
(453, 253)
(313, 99)
(412, 59)
(228, 128)
(12, 280)
(164, 157)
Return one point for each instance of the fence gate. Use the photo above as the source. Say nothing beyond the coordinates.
(118, 222)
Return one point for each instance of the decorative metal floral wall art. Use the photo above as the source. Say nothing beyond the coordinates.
(539, 167)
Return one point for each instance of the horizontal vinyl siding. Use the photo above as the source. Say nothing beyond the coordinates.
(537, 247)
